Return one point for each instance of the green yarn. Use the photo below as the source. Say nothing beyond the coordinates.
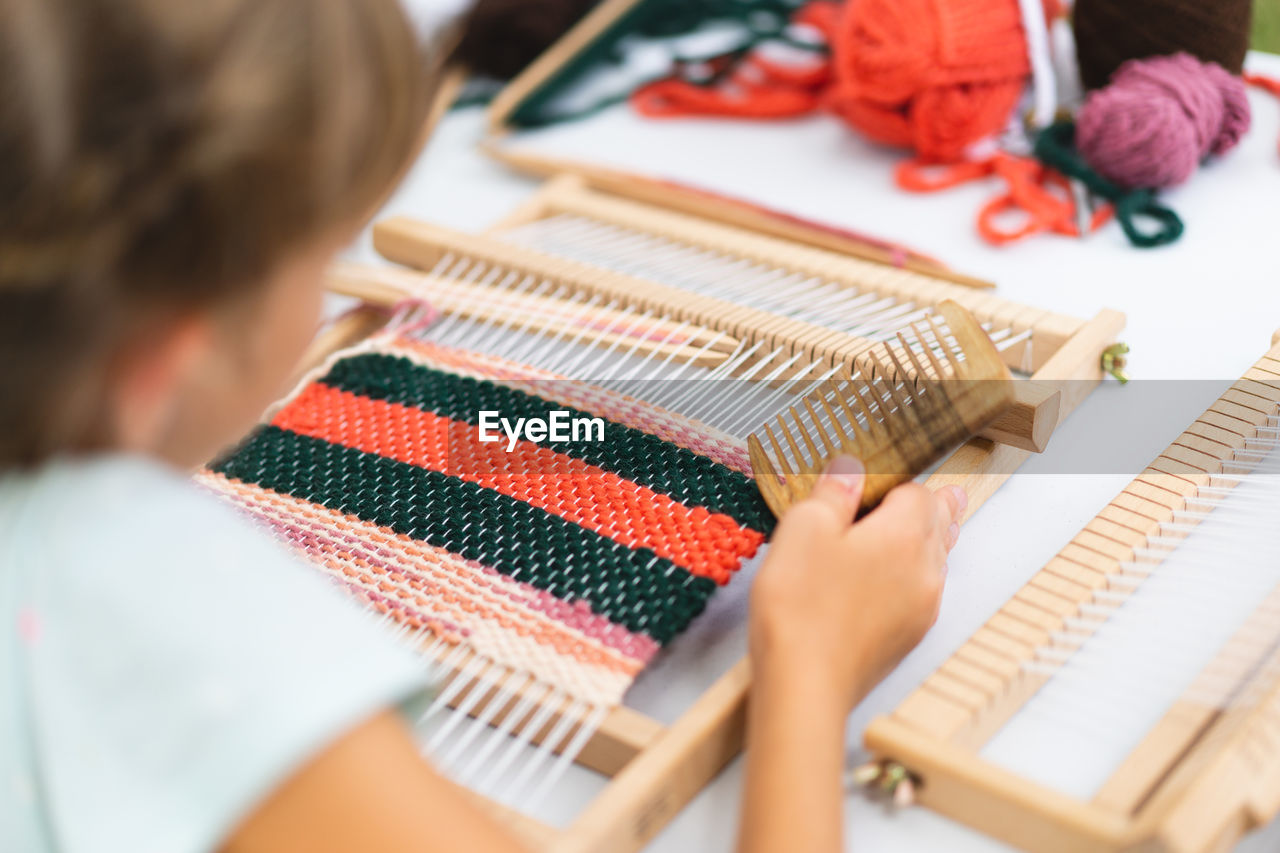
(761, 20)
(1055, 147)
(631, 587)
(635, 455)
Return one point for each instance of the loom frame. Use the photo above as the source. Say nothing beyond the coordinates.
(1192, 785)
(655, 770)
(568, 49)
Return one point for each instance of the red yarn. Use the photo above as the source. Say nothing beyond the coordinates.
(755, 86)
(757, 89)
(1266, 84)
(1039, 194)
(934, 76)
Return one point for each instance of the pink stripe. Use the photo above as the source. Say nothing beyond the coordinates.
(578, 615)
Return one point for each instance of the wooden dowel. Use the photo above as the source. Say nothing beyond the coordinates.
(1029, 423)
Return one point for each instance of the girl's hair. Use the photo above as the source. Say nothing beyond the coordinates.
(158, 157)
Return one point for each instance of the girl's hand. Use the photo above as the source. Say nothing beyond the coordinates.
(839, 604)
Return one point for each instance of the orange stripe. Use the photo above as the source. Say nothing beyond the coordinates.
(707, 544)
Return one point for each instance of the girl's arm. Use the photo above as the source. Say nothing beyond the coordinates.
(370, 792)
(834, 608)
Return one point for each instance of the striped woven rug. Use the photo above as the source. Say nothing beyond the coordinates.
(572, 560)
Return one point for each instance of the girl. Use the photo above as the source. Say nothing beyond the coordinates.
(174, 178)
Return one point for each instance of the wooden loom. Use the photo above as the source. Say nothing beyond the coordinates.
(655, 770)
(1206, 772)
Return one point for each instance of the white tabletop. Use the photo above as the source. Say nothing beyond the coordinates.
(1204, 308)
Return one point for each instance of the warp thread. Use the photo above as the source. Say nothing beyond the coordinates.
(1111, 32)
(1159, 118)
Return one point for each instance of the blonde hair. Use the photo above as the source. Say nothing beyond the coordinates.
(160, 157)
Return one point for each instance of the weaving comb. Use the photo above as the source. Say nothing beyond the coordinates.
(916, 398)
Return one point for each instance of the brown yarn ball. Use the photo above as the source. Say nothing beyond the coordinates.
(1111, 32)
(500, 38)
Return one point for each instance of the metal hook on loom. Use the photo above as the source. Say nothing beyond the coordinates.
(886, 779)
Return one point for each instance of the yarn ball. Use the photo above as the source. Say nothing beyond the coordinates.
(1111, 32)
(500, 38)
(933, 76)
(1160, 117)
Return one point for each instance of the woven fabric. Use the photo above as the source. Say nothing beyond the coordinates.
(572, 560)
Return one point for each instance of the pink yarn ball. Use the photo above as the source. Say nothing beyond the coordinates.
(1236, 116)
(1158, 118)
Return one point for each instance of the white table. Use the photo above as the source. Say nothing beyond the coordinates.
(1202, 309)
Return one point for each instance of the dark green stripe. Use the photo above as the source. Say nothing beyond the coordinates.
(635, 588)
(635, 455)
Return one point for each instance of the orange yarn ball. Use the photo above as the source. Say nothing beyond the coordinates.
(934, 75)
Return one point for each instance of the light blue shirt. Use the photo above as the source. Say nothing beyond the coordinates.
(164, 664)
